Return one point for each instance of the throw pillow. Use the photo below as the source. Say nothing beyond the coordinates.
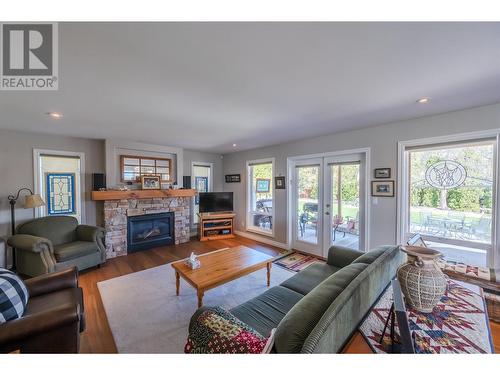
(13, 296)
(216, 330)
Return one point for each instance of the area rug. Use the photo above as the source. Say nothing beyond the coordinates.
(297, 262)
(146, 316)
(458, 324)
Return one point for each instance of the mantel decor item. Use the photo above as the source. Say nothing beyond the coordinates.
(150, 182)
(233, 178)
(30, 201)
(422, 281)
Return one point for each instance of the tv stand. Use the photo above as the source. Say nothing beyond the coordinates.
(216, 225)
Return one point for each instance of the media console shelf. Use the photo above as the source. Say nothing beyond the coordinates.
(216, 226)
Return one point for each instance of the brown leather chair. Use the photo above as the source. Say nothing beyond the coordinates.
(54, 316)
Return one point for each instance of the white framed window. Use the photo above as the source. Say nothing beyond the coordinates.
(260, 196)
(448, 193)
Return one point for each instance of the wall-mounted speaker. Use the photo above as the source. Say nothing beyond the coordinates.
(186, 182)
(98, 181)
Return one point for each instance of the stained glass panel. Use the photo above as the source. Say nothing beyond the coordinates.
(60, 193)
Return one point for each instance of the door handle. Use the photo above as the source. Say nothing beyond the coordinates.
(327, 213)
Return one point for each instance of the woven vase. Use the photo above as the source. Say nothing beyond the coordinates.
(422, 281)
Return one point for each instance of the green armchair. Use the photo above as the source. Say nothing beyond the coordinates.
(53, 243)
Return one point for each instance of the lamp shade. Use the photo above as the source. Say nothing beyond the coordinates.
(33, 200)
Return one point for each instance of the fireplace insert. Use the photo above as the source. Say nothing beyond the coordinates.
(151, 230)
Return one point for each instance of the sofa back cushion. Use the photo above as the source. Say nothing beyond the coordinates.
(303, 317)
(58, 229)
(372, 255)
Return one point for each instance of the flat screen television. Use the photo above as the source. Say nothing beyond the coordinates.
(216, 202)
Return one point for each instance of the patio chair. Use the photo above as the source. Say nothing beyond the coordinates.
(483, 228)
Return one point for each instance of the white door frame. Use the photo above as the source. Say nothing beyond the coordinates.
(290, 171)
(38, 179)
(493, 258)
(193, 180)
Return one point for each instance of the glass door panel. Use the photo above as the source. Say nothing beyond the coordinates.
(308, 201)
(344, 201)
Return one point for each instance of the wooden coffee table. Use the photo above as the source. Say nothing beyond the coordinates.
(220, 267)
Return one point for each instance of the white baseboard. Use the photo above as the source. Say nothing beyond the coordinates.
(262, 239)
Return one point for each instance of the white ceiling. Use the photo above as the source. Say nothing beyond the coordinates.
(208, 85)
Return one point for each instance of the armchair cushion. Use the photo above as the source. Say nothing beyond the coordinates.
(88, 233)
(13, 296)
(28, 242)
(58, 229)
(73, 250)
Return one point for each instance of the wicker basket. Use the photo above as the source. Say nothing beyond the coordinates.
(493, 305)
(422, 281)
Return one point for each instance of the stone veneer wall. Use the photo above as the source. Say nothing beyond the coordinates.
(117, 211)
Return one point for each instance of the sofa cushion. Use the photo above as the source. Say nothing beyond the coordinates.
(264, 312)
(13, 296)
(370, 256)
(296, 326)
(307, 279)
(74, 250)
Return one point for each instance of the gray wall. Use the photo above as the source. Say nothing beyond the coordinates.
(383, 141)
(191, 155)
(16, 169)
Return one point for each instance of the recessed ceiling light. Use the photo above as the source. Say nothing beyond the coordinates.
(234, 144)
(55, 114)
(423, 100)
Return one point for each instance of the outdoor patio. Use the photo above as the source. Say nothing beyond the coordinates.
(349, 240)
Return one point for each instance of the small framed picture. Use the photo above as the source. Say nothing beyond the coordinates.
(232, 178)
(279, 182)
(150, 182)
(383, 173)
(263, 185)
(382, 188)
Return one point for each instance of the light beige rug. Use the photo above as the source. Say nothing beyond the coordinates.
(146, 316)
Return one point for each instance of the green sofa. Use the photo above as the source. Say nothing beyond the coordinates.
(318, 309)
(53, 243)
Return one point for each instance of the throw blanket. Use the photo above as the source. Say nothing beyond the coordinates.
(218, 331)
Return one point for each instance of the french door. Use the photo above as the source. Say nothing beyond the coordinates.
(328, 203)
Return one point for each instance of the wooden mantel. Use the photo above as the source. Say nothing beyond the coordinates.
(110, 195)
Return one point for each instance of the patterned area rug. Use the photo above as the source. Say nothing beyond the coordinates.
(458, 324)
(297, 262)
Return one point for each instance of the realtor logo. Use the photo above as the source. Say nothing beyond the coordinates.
(28, 56)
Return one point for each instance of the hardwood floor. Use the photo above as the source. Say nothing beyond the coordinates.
(97, 337)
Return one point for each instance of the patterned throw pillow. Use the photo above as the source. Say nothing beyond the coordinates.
(13, 296)
(218, 331)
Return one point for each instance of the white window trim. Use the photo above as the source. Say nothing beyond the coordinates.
(493, 259)
(38, 179)
(248, 226)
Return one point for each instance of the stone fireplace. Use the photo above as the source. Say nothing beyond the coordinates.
(118, 211)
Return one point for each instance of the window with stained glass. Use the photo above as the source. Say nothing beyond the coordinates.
(60, 193)
(133, 167)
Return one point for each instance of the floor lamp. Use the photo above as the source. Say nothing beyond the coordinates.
(30, 201)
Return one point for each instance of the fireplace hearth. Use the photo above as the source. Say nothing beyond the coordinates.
(150, 230)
